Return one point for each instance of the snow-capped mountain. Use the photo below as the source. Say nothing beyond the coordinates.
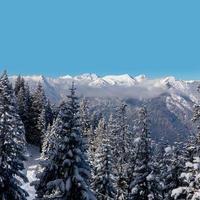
(169, 100)
(123, 86)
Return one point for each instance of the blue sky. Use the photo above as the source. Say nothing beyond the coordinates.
(152, 37)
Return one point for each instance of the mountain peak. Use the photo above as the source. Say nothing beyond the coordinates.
(86, 76)
(65, 77)
(170, 79)
(124, 79)
(140, 78)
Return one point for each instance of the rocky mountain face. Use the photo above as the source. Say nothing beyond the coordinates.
(169, 101)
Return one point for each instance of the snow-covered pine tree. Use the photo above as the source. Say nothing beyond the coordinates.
(55, 110)
(171, 166)
(142, 177)
(48, 166)
(103, 179)
(85, 122)
(39, 101)
(93, 142)
(71, 171)
(19, 83)
(23, 99)
(53, 132)
(96, 116)
(46, 143)
(118, 129)
(49, 117)
(85, 126)
(45, 120)
(189, 187)
(42, 126)
(12, 145)
(155, 178)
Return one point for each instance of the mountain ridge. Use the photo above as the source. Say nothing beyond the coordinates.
(170, 101)
(123, 85)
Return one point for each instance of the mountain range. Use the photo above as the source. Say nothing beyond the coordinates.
(170, 101)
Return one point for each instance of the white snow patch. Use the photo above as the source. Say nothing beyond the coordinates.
(30, 169)
(168, 149)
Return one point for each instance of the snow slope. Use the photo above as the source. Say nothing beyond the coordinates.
(30, 169)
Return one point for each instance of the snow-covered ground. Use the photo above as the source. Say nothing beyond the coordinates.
(30, 169)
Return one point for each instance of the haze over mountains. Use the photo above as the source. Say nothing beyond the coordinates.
(115, 85)
(170, 101)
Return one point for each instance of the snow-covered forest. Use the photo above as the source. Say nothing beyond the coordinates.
(68, 151)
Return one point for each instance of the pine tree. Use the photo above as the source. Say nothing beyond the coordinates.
(48, 167)
(23, 99)
(155, 178)
(46, 143)
(140, 186)
(85, 123)
(49, 117)
(12, 145)
(51, 139)
(96, 116)
(103, 182)
(19, 84)
(37, 110)
(189, 187)
(189, 180)
(118, 128)
(70, 174)
(171, 166)
(45, 122)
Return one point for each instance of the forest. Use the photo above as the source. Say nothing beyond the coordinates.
(85, 156)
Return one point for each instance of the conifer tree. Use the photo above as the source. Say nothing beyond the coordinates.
(45, 122)
(118, 128)
(48, 166)
(38, 112)
(69, 178)
(49, 117)
(23, 99)
(103, 179)
(51, 139)
(85, 123)
(19, 84)
(189, 179)
(12, 145)
(140, 186)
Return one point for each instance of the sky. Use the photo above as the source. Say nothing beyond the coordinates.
(53, 38)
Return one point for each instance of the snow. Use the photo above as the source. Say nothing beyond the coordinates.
(169, 79)
(168, 149)
(178, 101)
(98, 83)
(196, 195)
(137, 140)
(189, 164)
(187, 176)
(178, 191)
(30, 169)
(120, 80)
(86, 76)
(65, 77)
(140, 78)
(123, 85)
(36, 78)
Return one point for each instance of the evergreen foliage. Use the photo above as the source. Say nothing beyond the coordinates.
(12, 145)
(69, 178)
